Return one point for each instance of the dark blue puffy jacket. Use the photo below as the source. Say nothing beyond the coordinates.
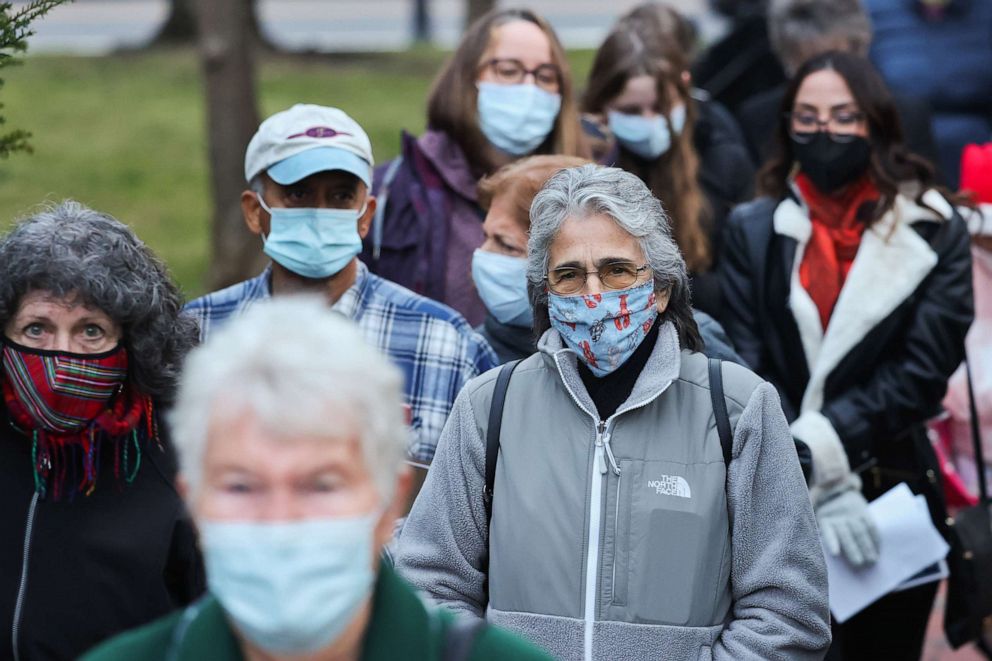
(947, 61)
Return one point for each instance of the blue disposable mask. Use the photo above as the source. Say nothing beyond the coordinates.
(501, 281)
(649, 138)
(604, 329)
(314, 243)
(516, 118)
(290, 587)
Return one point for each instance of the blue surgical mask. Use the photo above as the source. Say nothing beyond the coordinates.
(604, 329)
(516, 118)
(290, 587)
(649, 138)
(314, 243)
(501, 281)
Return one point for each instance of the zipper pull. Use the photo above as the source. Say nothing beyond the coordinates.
(600, 462)
(609, 454)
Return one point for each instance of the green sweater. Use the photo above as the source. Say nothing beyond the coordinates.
(401, 627)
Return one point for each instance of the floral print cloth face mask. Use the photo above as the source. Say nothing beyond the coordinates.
(604, 329)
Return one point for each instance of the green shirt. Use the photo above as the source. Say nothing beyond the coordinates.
(401, 627)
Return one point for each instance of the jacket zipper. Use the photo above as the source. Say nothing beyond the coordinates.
(603, 450)
(592, 555)
(23, 588)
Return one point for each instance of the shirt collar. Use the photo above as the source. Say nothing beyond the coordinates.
(349, 303)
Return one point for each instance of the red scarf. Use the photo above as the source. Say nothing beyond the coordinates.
(838, 221)
(73, 405)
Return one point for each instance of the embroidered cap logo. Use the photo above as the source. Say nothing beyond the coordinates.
(318, 132)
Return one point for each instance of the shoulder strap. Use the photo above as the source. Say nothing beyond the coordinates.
(459, 638)
(720, 409)
(380, 211)
(976, 434)
(492, 434)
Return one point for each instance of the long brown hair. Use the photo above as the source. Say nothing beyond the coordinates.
(673, 177)
(451, 104)
(891, 163)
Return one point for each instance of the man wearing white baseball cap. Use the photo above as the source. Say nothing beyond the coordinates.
(309, 174)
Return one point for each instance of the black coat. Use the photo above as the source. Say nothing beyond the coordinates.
(895, 335)
(99, 565)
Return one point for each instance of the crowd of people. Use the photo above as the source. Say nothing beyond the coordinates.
(598, 369)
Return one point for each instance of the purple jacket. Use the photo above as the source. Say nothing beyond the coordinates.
(428, 223)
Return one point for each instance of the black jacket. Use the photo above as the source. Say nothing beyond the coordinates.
(895, 335)
(116, 559)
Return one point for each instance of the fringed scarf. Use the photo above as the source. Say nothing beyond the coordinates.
(73, 407)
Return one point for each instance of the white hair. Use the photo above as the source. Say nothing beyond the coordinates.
(288, 361)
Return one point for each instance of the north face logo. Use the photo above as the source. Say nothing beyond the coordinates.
(671, 485)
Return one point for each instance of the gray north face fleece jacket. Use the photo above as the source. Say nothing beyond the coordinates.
(625, 538)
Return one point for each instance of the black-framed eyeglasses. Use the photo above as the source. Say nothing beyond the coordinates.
(510, 71)
(615, 275)
(840, 126)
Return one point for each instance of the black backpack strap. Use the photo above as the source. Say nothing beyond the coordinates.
(492, 435)
(460, 637)
(720, 410)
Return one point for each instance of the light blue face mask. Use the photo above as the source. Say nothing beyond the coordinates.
(516, 118)
(290, 587)
(314, 243)
(649, 138)
(501, 281)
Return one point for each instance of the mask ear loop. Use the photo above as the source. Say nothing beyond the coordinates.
(261, 202)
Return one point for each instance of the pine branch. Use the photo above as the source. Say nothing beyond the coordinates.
(15, 28)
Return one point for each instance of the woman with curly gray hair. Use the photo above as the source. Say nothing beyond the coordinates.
(644, 500)
(92, 341)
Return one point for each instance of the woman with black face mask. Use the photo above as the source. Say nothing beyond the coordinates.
(847, 284)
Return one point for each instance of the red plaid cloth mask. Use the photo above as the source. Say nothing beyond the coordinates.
(60, 392)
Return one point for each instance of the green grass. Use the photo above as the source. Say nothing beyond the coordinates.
(125, 133)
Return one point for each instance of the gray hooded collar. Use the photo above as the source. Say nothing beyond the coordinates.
(662, 368)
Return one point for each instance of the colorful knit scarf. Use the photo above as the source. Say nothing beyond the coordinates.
(72, 405)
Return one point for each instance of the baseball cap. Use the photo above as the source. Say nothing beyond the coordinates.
(295, 143)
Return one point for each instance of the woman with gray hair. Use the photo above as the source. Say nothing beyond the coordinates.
(97, 537)
(645, 501)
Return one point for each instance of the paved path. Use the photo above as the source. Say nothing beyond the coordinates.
(99, 26)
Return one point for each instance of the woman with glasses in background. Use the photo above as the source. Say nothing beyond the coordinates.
(505, 93)
(847, 285)
(621, 526)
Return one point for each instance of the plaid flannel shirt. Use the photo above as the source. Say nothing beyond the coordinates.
(436, 349)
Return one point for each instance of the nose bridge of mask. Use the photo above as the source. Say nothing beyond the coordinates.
(268, 209)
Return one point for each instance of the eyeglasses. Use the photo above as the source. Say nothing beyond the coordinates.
(841, 126)
(510, 71)
(615, 275)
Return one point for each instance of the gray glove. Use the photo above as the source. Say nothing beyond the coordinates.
(845, 526)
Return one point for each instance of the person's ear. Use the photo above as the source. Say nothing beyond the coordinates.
(365, 222)
(687, 78)
(662, 299)
(256, 218)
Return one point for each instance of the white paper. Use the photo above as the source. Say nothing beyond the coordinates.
(908, 544)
